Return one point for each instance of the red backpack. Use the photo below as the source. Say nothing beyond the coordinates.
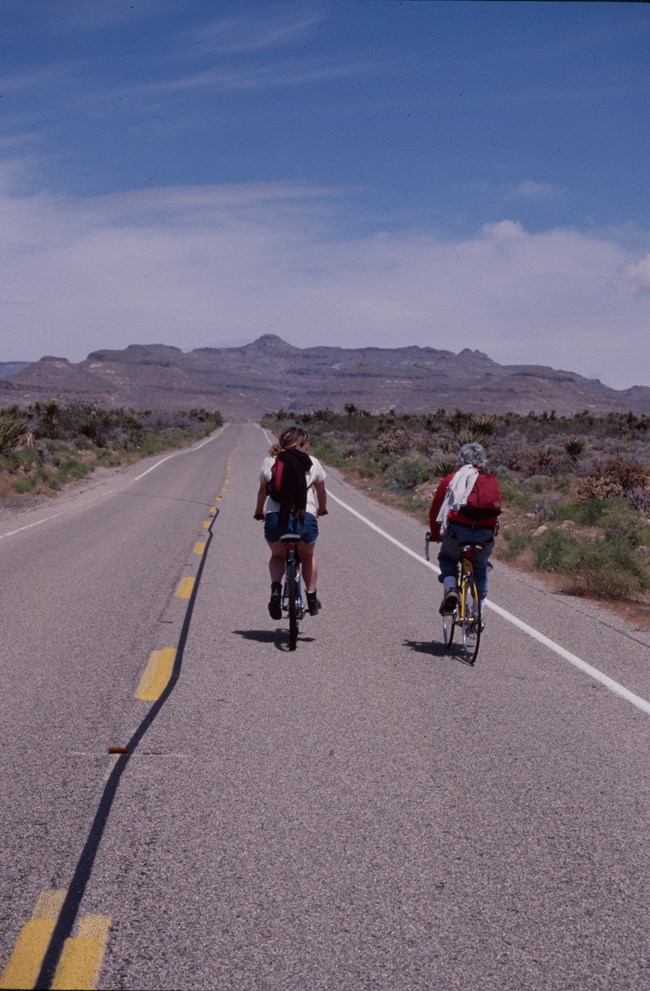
(484, 501)
(274, 487)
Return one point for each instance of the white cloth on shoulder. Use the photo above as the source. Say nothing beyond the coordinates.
(457, 492)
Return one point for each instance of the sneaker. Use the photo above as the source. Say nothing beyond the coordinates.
(449, 603)
(275, 607)
(313, 604)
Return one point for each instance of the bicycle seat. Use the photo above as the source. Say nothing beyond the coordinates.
(468, 549)
(290, 538)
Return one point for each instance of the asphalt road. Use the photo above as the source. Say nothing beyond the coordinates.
(367, 812)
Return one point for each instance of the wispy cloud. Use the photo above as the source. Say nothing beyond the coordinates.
(270, 30)
(529, 189)
(257, 76)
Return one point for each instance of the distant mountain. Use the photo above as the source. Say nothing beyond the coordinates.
(8, 368)
(269, 374)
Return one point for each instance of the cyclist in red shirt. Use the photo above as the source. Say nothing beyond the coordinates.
(453, 523)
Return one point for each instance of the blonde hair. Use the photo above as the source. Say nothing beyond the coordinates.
(291, 437)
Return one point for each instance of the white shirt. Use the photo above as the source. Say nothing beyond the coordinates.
(315, 474)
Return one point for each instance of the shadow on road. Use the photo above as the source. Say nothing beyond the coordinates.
(427, 647)
(453, 652)
(261, 636)
(279, 638)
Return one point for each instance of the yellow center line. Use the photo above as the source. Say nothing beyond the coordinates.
(199, 547)
(82, 955)
(156, 675)
(185, 587)
(25, 962)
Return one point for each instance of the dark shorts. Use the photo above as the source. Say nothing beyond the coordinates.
(307, 528)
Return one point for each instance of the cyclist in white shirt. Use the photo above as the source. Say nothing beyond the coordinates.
(295, 509)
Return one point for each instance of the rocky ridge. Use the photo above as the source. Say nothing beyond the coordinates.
(270, 374)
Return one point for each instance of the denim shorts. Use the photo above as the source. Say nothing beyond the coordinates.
(307, 527)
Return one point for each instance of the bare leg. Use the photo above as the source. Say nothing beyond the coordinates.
(278, 557)
(309, 566)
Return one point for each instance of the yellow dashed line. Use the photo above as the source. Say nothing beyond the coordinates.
(199, 547)
(25, 962)
(185, 587)
(82, 955)
(156, 675)
(212, 510)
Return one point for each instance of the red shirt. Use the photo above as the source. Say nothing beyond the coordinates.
(453, 515)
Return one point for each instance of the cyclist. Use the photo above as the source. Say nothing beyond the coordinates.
(303, 499)
(455, 524)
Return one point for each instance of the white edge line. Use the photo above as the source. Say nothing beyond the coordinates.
(573, 659)
(157, 465)
(46, 519)
(29, 526)
(185, 450)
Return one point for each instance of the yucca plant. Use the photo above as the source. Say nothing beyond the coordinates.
(13, 427)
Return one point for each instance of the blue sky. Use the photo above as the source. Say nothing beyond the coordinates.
(450, 174)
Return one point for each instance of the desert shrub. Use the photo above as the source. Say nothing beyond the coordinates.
(545, 461)
(574, 447)
(107, 459)
(638, 498)
(536, 483)
(367, 471)
(606, 568)
(547, 505)
(24, 485)
(586, 513)
(552, 550)
(408, 472)
(513, 545)
(325, 450)
(619, 520)
(503, 473)
(516, 497)
(615, 478)
(392, 440)
(71, 469)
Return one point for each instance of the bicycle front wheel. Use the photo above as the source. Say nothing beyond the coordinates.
(292, 594)
(470, 619)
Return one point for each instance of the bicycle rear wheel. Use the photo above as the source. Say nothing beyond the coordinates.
(448, 626)
(470, 619)
(292, 594)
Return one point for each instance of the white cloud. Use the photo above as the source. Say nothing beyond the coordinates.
(198, 266)
(639, 273)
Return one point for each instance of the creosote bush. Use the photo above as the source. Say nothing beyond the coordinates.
(47, 445)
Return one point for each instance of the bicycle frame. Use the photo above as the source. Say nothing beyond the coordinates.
(468, 611)
(467, 614)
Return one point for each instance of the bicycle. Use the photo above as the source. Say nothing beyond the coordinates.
(467, 614)
(292, 601)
